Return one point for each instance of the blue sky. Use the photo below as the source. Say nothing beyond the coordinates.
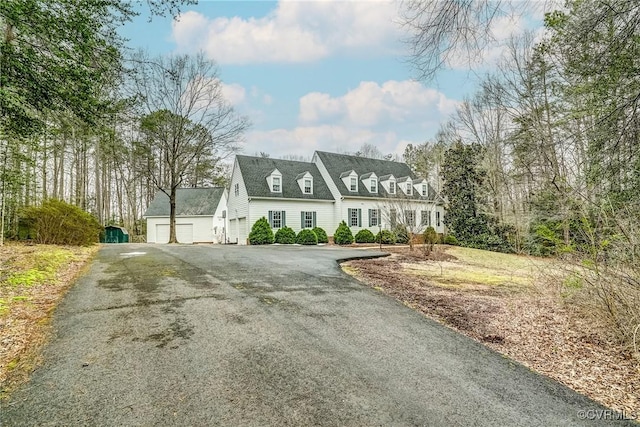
(328, 75)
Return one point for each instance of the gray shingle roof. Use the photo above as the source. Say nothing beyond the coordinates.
(256, 169)
(189, 202)
(338, 164)
(367, 175)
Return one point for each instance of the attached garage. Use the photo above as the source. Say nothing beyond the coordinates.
(243, 235)
(200, 216)
(238, 231)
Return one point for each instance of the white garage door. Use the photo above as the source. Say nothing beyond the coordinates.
(233, 226)
(242, 231)
(184, 233)
(162, 233)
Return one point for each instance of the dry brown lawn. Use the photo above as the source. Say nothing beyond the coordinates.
(519, 306)
(33, 279)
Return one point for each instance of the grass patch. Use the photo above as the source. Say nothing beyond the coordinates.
(475, 268)
(352, 271)
(33, 279)
(35, 267)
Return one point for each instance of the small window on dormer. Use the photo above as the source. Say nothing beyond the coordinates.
(424, 190)
(392, 187)
(354, 184)
(275, 187)
(307, 186)
(374, 185)
(409, 189)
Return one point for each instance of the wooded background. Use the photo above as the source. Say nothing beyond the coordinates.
(554, 127)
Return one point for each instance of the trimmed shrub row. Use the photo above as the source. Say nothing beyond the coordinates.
(365, 236)
(262, 234)
(285, 236)
(307, 237)
(343, 235)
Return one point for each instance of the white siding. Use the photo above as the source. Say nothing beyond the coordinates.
(337, 206)
(384, 206)
(439, 228)
(220, 217)
(238, 206)
(364, 205)
(324, 212)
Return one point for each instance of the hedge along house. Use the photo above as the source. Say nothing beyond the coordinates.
(200, 216)
(378, 194)
(365, 193)
(287, 193)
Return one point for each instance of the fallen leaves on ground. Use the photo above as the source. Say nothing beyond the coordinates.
(530, 324)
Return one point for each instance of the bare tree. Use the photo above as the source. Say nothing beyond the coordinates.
(443, 30)
(185, 119)
(372, 152)
(403, 214)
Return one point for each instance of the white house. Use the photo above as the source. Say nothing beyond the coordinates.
(365, 193)
(200, 216)
(287, 193)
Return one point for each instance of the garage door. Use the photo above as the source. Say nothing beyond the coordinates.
(162, 233)
(184, 233)
(242, 231)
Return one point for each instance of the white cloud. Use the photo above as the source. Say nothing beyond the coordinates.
(296, 31)
(371, 105)
(505, 27)
(388, 115)
(304, 140)
(234, 93)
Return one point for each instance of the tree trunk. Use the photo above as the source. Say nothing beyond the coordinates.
(172, 215)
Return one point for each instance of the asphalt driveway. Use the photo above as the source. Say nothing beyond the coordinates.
(254, 336)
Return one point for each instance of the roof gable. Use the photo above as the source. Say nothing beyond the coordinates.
(189, 202)
(254, 169)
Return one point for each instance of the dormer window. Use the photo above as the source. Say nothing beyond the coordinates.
(409, 189)
(392, 187)
(274, 179)
(370, 182)
(424, 190)
(305, 182)
(350, 180)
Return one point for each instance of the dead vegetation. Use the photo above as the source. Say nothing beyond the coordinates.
(518, 306)
(33, 279)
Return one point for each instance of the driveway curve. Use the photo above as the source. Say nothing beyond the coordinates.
(176, 335)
